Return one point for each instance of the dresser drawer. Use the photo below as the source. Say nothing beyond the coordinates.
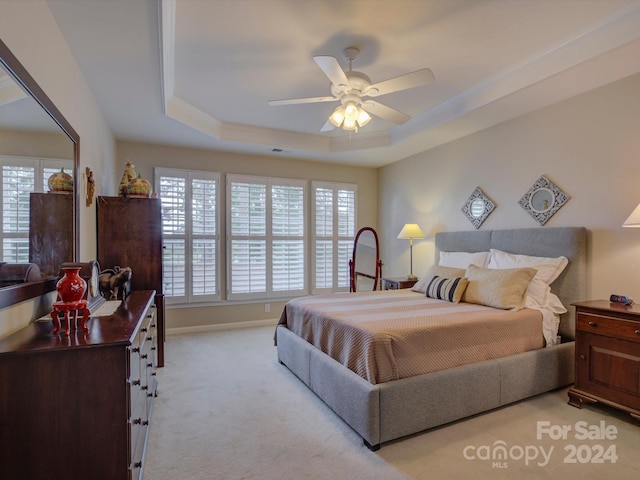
(608, 326)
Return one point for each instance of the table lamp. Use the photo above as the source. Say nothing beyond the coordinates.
(411, 231)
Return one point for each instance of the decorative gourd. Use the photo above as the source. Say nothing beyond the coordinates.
(60, 182)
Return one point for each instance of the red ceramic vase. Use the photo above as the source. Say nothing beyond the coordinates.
(71, 286)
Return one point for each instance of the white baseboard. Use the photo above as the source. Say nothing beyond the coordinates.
(222, 326)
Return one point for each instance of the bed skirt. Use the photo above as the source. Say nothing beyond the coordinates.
(388, 411)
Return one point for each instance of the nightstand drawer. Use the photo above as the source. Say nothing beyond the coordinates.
(608, 326)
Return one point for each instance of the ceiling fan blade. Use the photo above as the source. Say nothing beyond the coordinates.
(402, 82)
(331, 68)
(382, 111)
(328, 126)
(294, 101)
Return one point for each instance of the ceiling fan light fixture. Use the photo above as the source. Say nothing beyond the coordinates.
(363, 118)
(337, 117)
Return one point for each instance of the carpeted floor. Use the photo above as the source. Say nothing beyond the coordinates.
(227, 410)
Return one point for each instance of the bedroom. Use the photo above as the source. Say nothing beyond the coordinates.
(591, 156)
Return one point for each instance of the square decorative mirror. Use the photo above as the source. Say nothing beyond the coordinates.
(478, 207)
(543, 200)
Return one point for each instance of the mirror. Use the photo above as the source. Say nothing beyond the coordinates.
(478, 207)
(29, 122)
(543, 200)
(365, 267)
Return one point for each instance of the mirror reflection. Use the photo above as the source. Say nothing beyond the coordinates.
(365, 266)
(542, 200)
(477, 208)
(37, 226)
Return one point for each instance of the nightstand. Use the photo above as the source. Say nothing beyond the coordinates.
(607, 356)
(397, 283)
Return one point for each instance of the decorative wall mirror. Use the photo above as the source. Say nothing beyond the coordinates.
(543, 200)
(26, 111)
(478, 207)
(365, 267)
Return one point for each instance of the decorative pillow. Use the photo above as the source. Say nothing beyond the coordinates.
(439, 270)
(498, 288)
(547, 270)
(449, 289)
(463, 259)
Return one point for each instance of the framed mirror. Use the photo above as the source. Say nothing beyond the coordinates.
(543, 200)
(478, 207)
(365, 267)
(26, 112)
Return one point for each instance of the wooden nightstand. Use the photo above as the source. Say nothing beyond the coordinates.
(397, 283)
(607, 355)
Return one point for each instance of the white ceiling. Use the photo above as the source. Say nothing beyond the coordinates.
(199, 73)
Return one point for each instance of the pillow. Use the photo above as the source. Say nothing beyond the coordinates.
(463, 259)
(439, 270)
(498, 288)
(547, 270)
(449, 289)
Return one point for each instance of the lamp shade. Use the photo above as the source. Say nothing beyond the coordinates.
(411, 230)
(634, 218)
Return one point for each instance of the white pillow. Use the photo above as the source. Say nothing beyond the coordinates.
(548, 269)
(463, 259)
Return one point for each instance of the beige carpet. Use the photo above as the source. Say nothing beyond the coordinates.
(227, 410)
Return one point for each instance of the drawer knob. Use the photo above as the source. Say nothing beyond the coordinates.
(637, 332)
(593, 324)
(582, 357)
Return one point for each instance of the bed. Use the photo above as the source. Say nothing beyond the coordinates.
(385, 408)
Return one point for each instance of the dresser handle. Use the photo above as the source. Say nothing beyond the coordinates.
(582, 357)
(637, 332)
(593, 324)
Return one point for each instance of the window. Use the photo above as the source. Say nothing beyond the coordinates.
(22, 176)
(266, 245)
(334, 230)
(190, 234)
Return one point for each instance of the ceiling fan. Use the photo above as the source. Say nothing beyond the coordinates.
(350, 88)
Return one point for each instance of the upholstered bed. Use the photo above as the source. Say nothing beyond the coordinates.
(388, 410)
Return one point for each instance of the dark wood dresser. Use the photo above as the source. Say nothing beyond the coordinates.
(79, 406)
(607, 355)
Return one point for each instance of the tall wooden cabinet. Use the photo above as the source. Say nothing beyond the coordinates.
(130, 235)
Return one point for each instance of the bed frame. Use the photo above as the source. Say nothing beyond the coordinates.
(388, 411)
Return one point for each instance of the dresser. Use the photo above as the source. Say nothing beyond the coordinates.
(79, 406)
(397, 283)
(607, 350)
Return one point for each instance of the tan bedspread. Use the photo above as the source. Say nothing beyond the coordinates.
(388, 335)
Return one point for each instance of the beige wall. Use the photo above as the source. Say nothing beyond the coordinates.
(589, 146)
(145, 157)
(47, 58)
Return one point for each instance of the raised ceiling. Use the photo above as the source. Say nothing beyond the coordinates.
(199, 73)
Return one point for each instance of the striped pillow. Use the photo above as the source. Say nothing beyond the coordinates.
(449, 289)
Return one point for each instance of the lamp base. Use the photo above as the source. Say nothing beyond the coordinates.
(411, 276)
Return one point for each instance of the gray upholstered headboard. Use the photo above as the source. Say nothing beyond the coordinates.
(571, 242)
